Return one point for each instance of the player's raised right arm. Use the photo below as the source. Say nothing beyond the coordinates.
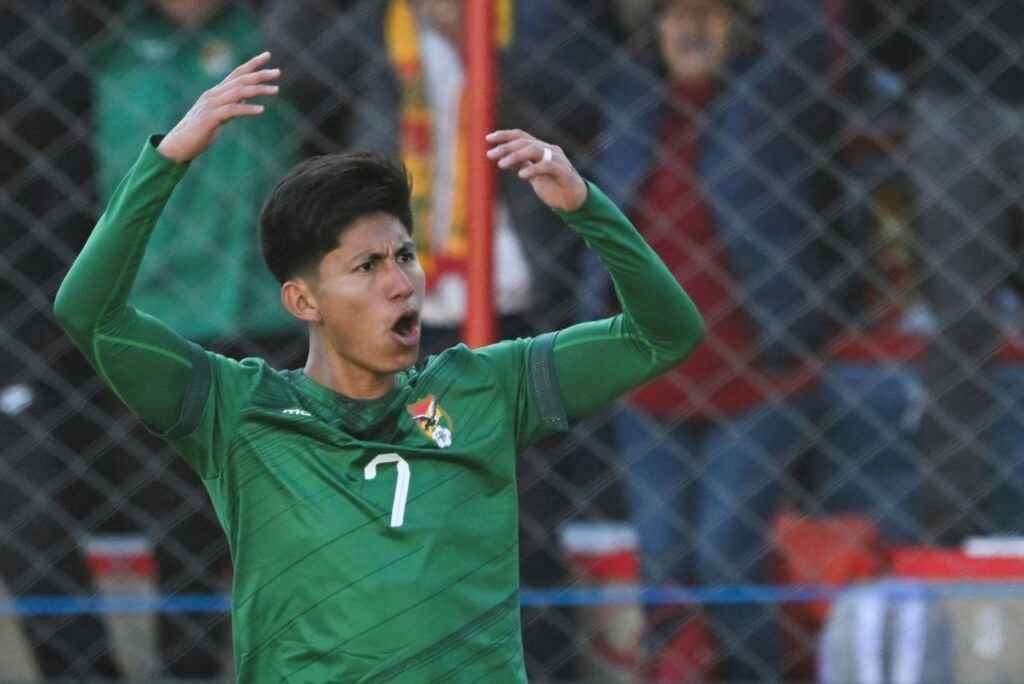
(225, 101)
(148, 365)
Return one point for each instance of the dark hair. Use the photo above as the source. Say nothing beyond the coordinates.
(305, 214)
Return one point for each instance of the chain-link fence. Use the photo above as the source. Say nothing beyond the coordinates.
(835, 183)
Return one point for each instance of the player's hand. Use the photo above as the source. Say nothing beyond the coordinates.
(225, 101)
(545, 166)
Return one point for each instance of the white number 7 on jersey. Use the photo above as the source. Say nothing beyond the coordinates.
(401, 487)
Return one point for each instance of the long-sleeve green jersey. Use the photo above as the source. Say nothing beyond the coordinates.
(371, 540)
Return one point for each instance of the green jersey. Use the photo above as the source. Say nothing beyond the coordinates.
(371, 540)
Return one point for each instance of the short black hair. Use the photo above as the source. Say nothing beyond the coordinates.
(304, 216)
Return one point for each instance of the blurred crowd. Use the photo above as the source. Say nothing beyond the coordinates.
(834, 182)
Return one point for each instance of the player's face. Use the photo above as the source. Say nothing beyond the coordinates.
(370, 292)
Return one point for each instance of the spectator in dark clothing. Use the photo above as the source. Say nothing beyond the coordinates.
(335, 67)
(966, 161)
(44, 198)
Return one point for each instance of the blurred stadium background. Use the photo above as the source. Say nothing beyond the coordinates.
(889, 531)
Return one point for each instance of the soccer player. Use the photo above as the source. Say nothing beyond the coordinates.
(370, 506)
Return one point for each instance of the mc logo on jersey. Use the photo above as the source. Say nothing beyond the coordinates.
(432, 420)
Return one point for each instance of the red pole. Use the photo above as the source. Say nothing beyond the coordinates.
(480, 327)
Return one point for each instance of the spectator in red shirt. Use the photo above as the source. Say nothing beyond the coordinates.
(715, 149)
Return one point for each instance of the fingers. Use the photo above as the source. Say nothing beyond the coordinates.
(251, 78)
(242, 93)
(520, 151)
(247, 74)
(235, 111)
(249, 66)
(539, 159)
(229, 88)
(508, 141)
(509, 153)
(498, 137)
(541, 168)
(245, 82)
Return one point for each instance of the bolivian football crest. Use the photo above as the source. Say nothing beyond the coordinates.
(432, 420)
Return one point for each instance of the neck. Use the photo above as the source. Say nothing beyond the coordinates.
(326, 367)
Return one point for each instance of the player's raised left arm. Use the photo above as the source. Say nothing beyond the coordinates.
(599, 361)
(549, 172)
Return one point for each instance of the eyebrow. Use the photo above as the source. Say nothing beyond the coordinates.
(404, 246)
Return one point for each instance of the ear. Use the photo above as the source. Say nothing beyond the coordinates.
(300, 301)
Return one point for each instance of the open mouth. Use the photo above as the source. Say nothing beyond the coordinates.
(407, 329)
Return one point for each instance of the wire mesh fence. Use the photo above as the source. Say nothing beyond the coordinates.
(836, 184)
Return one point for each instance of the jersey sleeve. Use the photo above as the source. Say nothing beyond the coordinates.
(598, 361)
(525, 372)
(219, 390)
(559, 377)
(162, 377)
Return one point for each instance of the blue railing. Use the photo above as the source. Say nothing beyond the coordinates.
(536, 598)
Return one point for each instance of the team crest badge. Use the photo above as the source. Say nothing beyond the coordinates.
(432, 420)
